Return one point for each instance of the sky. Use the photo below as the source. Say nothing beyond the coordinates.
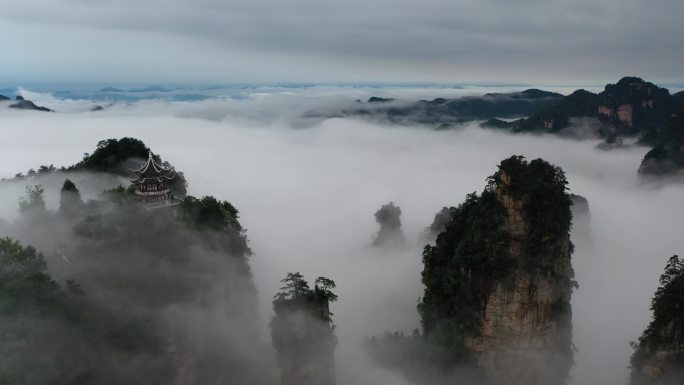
(217, 41)
(307, 198)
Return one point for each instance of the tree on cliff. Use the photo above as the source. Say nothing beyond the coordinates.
(302, 331)
(659, 353)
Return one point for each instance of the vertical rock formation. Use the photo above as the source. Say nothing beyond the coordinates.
(389, 219)
(581, 217)
(499, 279)
(659, 354)
(70, 202)
(302, 332)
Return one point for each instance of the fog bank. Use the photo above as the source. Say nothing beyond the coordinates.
(307, 198)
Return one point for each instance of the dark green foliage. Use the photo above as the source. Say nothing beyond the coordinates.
(474, 245)
(55, 335)
(472, 255)
(542, 189)
(70, 202)
(208, 213)
(111, 153)
(556, 117)
(296, 294)
(302, 331)
(438, 225)
(24, 286)
(662, 343)
(33, 201)
(69, 186)
(117, 156)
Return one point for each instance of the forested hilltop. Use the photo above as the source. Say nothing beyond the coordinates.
(120, 294)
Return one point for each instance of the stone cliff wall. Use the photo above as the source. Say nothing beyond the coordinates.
(526, 324)
(304, 346)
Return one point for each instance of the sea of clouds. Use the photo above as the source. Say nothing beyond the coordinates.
(307, 190)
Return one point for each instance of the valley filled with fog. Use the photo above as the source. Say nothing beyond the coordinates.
(307, 189)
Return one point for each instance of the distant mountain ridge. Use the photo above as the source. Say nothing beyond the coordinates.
(443, 112)
(23, 104)
(630, 107)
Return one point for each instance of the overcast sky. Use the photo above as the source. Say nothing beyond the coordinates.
(224, 41)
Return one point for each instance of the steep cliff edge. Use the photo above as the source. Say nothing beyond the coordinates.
(659, 354)
(499, 279)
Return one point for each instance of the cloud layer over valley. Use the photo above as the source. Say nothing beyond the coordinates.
(307, 192)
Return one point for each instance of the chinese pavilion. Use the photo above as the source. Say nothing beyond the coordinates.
(152, 184)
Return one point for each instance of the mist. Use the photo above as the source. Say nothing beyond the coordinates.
(307, 197)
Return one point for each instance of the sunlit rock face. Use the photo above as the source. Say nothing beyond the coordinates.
(526, 324)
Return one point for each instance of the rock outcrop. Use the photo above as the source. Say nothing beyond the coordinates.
(302, 332)
(23, 104)
(658, 357)
(523, 338)
(389, 219)
(499, 280)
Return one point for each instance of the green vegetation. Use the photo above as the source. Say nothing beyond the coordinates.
(302, 331)
(659, 354)
(33, 201)
(110, 154)
(296, 294)
(56, 335)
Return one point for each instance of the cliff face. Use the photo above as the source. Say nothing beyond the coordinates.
(305, 347)
(499, 280)
(524, 339)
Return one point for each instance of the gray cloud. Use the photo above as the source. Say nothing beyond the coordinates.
(386, 40)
